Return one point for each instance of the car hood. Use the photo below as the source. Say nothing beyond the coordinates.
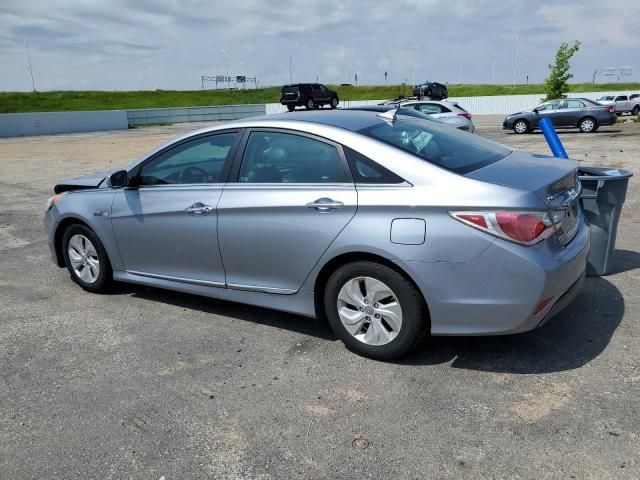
(92, 180)
(552, 179)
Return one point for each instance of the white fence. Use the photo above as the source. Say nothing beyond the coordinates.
(487, 105)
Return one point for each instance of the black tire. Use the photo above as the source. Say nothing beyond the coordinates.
(588, 125)
(334, 103)
(291, 108)
(429, 93)
(105, 276)
(310, 105)
(414, 311)
(521, 126)
(317, 106)
(636, 110)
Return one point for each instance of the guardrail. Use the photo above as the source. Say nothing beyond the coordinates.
(48, 123)
(155, 116)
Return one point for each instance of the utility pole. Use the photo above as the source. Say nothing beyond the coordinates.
(493, 68)
(33, 82)
(290, 71)
(414, 65)
(515, 71)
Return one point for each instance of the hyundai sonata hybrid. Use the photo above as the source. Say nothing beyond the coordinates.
(390, 227)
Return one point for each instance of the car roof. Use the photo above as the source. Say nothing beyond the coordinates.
(353, 120)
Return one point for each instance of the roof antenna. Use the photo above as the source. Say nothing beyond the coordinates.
(391, 115)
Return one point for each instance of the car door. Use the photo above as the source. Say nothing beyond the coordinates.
(572, 111)
(550, 110)
(167, 226)
(621, 103)
(291, 197)
(324, 94)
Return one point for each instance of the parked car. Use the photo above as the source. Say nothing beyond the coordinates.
(450, 112)
(622, 103)
(433, 90)
(409, 112)
(308, 95)
(387, 226)
(582, 113)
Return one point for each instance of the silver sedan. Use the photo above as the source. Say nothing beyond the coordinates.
(390, 228)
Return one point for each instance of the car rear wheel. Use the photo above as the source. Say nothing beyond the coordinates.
(86, 259)
(375, 310)
(310, 104)
(334, 102)
(291, 108)
(521, 126)
(587, 125)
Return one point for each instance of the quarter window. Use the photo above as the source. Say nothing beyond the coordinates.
(196, 161)
(276, 157)
(365, 170)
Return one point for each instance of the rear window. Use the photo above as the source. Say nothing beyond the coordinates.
(442, 145)
(290, 89)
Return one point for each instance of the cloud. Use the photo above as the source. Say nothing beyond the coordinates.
(138, 44)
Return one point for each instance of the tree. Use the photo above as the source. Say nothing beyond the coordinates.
(556, 84)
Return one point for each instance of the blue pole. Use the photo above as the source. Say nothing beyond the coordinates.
(552, 138)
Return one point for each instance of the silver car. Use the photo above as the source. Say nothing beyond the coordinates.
(389, 227)
(445, 111)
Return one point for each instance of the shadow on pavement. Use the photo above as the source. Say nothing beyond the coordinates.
(570, 340)
(282, 320)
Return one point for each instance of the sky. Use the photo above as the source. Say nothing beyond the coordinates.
(169, 44)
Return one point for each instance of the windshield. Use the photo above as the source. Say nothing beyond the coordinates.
(444, 146)
(606, 98)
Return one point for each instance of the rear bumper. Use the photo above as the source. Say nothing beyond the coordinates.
(497, 293)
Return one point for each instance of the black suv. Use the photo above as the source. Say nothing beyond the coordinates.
(433, 90)
(309, 95)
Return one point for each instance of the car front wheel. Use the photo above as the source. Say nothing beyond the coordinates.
(521, 126)
(375, 310)
(86, 259)
(334, 102)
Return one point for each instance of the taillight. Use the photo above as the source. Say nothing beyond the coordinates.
(466, 115)
(611, 110)
(525, 228)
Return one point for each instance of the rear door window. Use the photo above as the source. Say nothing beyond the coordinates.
(278, 157)
(573, 104)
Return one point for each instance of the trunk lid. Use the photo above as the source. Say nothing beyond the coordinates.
(553, 180)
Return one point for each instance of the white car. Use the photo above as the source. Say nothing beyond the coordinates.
(446, 111)
(622, 103)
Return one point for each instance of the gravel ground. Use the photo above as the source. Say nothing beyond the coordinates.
(144, 383)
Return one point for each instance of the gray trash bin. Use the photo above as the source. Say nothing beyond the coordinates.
(603, 193)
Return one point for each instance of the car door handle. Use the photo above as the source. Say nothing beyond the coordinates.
(199, 209)
(325, 204)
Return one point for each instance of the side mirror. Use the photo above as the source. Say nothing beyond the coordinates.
(119, 179)
(535, 110)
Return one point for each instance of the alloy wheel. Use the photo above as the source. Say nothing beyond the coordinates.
(587, 125)
(369, 310)
(520, 127)
(84, 258)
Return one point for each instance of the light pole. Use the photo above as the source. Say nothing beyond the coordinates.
(226, 61)
(515, 71)
(33, 83)
(493, 68)
(415, 47)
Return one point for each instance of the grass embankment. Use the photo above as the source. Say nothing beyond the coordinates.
(14, 102)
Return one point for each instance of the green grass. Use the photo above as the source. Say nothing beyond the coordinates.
(13, 102)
